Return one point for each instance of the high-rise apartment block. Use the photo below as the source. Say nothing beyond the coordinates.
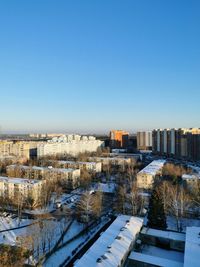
(14, 148)
(144, 140)
(119, 139)
(179, 143)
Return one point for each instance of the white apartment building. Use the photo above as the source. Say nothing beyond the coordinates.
(145, 178)
(69, 144)
(15, 188)
(114, 245)
(70, 177)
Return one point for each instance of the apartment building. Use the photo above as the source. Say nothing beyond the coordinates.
(115, 161)
(119, 139)
(69, 144)
(19, 188)
(95, 167)
(144, 140)
(179, 143)
(146, 177)
(14, 148)
(69, 177)
(113, 246)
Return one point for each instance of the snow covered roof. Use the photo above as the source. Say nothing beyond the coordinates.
(153, 167)
(190, 177)
(192, 247)
(76, 162)
(18, 180)
(154, 260)
(165, 234)
(111, 247)
(42, 168)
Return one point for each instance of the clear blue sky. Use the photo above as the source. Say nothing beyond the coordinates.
(88, 65)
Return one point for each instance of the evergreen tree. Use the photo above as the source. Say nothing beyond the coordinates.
(156, 215)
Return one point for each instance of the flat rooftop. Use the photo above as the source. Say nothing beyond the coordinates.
(18, 180)
(191, 176)
(76, 162)
(192, 247)
(42, 168)
(113, 244)
(155, 260)
(165, 234)
(153, 167)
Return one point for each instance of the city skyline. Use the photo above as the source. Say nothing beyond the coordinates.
(91, 67)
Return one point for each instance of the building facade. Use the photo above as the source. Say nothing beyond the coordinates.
(14, 148)
(69, 144)
(95, 167)
(119, 139)
(69, 177)
(144, 140)
(179, 143)
(20, 189)
(146, 177)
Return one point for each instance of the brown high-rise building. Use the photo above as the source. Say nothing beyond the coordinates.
(119, 139)
(179, 143)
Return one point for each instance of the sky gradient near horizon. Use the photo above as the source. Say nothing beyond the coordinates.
(92, 66)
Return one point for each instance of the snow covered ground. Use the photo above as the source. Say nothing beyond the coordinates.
(185, 222)
(59, 256)
(9, 237)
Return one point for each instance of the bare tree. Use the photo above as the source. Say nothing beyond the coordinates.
(85, 208)
(137, 202)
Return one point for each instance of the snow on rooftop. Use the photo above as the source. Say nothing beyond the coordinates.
(76, 162)
(18, 180)
(192, 247)
(154, 260)
(153, 167)
(165, 234)
(113, 244)
(43, 168)
(190, 176)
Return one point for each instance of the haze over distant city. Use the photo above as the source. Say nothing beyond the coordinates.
(90, 66)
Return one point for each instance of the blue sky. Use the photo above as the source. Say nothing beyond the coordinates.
(92, 66)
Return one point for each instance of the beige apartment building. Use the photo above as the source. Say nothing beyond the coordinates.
(95, 167)
(146, 177)
(19, 149)
(69, 177)
(115, 161)
(20, 189)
